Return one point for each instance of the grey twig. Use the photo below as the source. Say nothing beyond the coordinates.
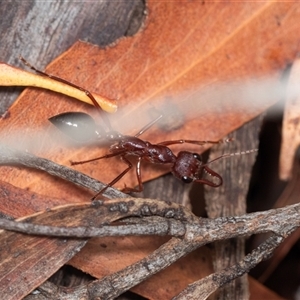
(203, 288)
(146, 216)
(10, 155)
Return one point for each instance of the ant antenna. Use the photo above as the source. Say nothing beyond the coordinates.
(147, 126)
(230, 155)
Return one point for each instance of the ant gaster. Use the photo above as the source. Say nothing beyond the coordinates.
(186, 166)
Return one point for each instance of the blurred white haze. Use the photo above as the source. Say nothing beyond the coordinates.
(222, 99)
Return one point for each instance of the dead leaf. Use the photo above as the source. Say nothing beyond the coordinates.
(164, 285)
(291, 124)
(184, 47)
(259, 291)
(183, 50)
(27, 261)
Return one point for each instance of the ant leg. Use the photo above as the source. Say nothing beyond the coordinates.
(88, 93)
(147, 126)
(129, 164)
(73, 163)
(140, 188)
(200, 143)
(167, 143)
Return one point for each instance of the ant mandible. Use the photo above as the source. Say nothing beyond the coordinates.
(186, 166)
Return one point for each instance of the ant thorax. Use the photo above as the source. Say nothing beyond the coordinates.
(156, 154)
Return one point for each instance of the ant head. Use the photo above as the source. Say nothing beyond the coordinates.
(189, 167)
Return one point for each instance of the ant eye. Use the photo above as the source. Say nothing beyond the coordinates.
(197, 156)
(186, 179)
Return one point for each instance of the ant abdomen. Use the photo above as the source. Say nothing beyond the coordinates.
(79, 126)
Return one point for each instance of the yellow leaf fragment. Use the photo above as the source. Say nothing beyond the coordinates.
(11, 76)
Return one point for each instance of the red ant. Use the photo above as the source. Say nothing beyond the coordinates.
(186, 166)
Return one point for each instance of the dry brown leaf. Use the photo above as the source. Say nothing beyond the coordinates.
(164, 285)
(17, 203)
(259, 291)
(184, 46)
(27, 261)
